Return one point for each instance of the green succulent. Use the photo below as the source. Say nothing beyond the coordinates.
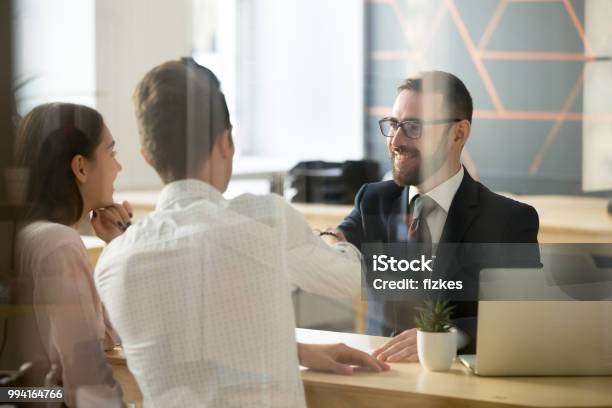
(434, 316)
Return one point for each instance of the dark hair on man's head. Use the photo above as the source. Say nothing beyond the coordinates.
(47, 140)
(456, 96)
(181, 113)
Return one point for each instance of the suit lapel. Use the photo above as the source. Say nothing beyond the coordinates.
(461, 215)
(463, 210)
(395, 221)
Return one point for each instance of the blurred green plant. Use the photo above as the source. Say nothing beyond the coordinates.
(434, 316)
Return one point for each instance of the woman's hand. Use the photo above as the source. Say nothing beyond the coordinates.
(110, 222)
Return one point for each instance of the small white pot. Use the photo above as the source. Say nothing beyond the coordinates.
(436, 350)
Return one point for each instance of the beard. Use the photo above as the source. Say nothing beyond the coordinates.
(405, 166)
(409, 168)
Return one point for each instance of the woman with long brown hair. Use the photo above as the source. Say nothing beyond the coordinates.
(68, 158)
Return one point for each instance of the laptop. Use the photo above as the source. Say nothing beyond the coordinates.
(534, 322)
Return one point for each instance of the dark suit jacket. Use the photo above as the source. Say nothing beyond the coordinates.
(476, 215)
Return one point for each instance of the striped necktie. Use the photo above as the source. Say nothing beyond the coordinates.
(420, 207)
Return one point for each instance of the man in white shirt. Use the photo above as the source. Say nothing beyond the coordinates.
(199, 291)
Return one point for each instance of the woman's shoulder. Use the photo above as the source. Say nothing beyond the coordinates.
(46, 236)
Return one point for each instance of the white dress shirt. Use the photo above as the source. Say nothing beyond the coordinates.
(443, 195)
(199, 292)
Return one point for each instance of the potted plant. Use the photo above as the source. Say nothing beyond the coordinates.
(436, 341)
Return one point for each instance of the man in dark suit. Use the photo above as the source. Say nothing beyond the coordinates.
(429, 126)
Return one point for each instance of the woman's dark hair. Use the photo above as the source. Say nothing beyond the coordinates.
(47, 140)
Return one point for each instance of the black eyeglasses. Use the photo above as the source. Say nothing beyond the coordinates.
(413, 128)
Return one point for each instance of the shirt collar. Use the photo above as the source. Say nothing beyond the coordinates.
(442, 194)
(187, 191)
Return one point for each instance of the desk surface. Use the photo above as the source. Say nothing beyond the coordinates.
(409, 383)
(571, 219)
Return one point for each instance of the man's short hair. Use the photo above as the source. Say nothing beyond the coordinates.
(181, 113)
(456, 96)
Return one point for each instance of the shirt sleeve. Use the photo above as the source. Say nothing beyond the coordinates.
(313, 265)
(65, 294)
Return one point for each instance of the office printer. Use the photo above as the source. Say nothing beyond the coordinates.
(330, 182)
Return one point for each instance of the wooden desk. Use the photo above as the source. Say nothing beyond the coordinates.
(321, 216)
(566, 219)
(408, 384)
(94, 247)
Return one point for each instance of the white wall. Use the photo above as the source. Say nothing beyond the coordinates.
(55, 49)
(298, 92)
(304, 93)
(132, 36)
(597, 135)
(218, 19)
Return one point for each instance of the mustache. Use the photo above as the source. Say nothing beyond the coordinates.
(404, 150)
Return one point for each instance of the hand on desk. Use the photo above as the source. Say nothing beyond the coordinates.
(402, 347)
(337, 358)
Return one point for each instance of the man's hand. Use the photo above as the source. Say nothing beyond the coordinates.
(402, 347)
(337, 358)
(110, 222)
